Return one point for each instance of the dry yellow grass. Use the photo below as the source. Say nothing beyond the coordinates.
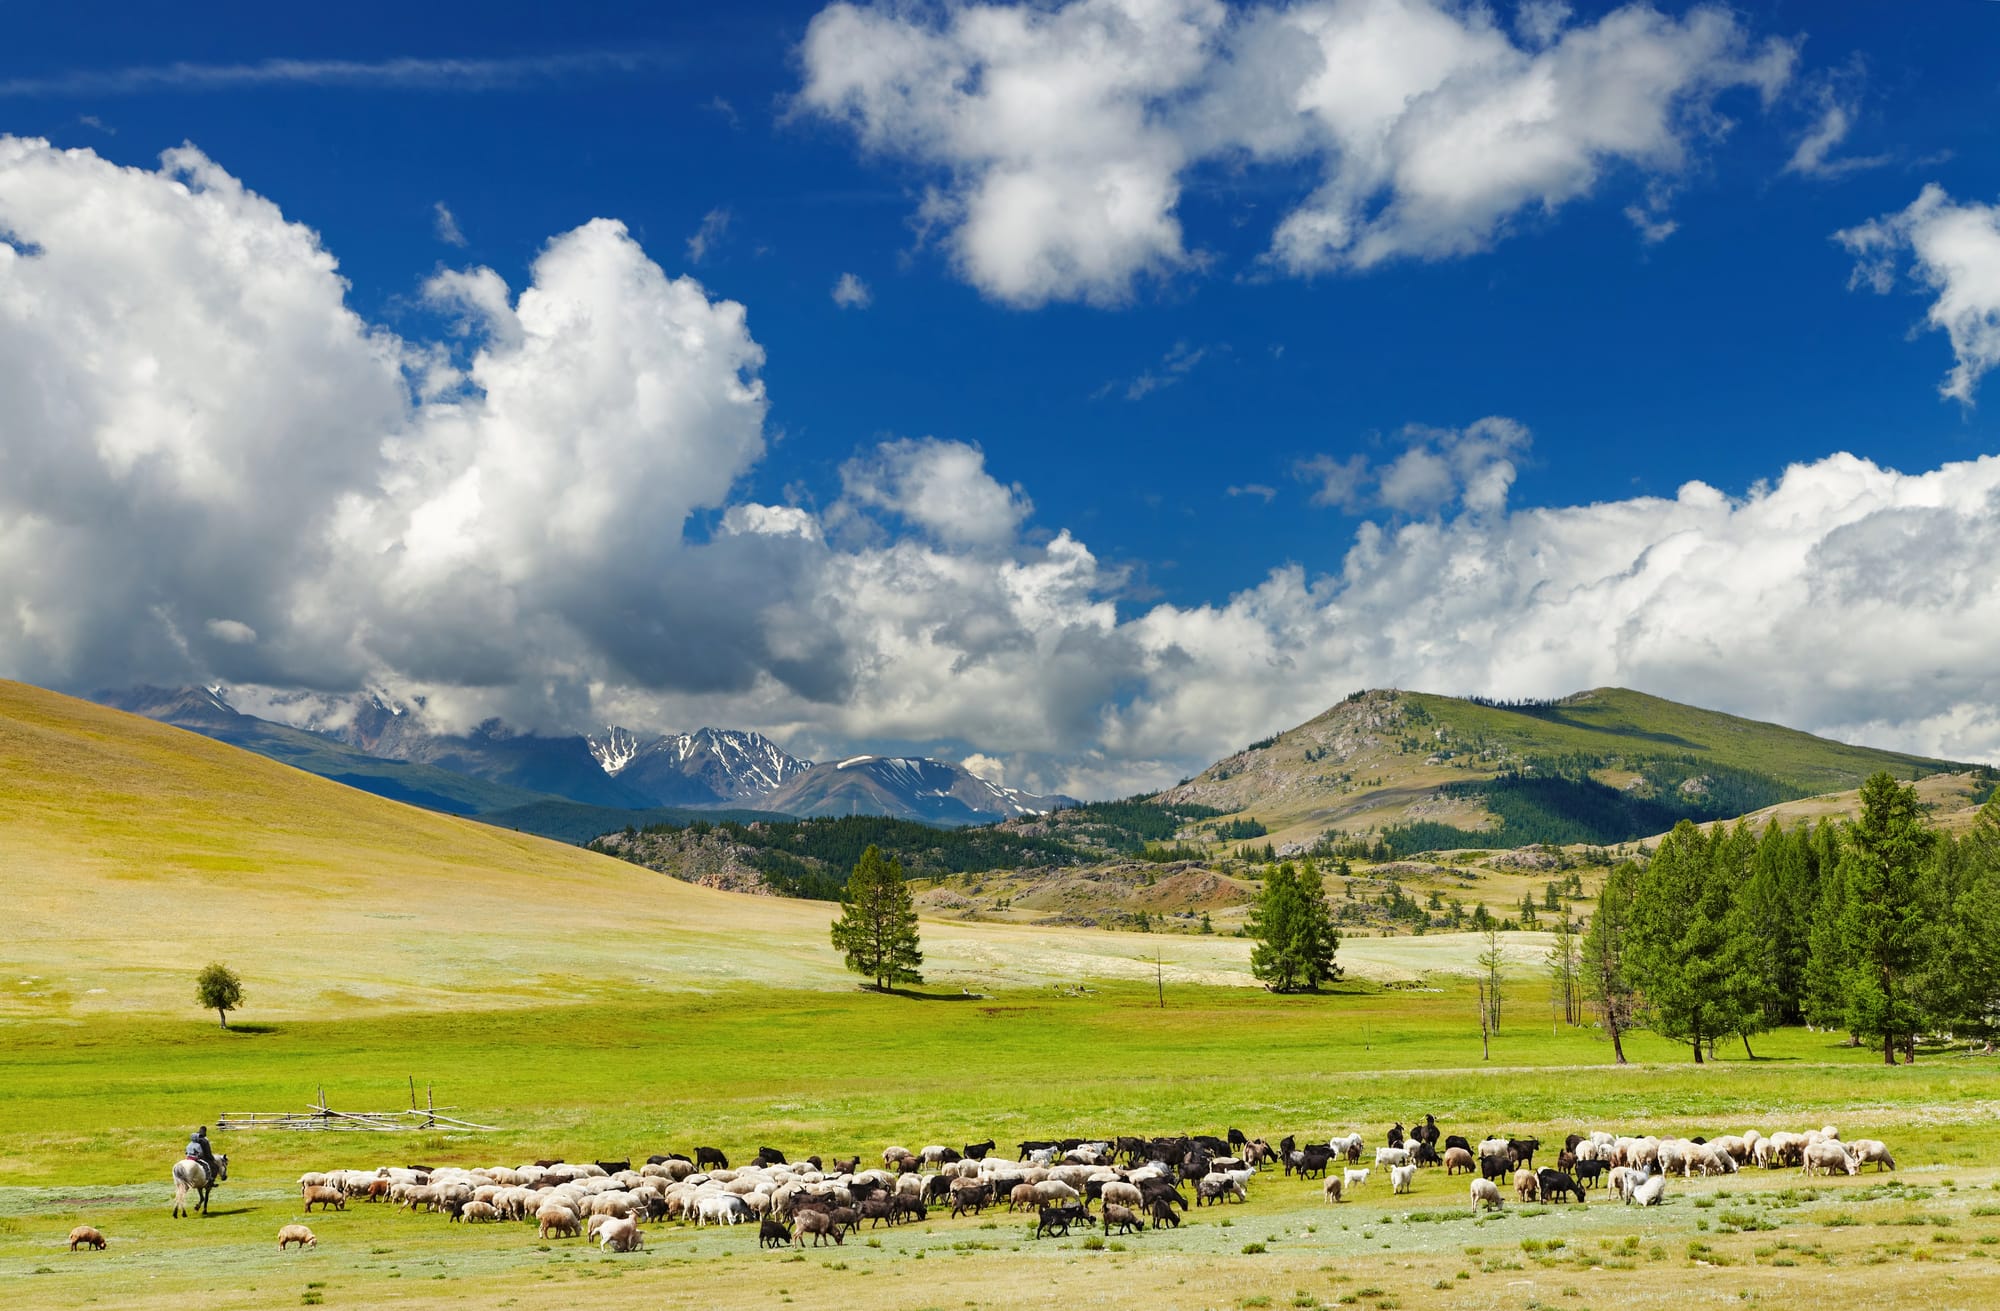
(134, 852)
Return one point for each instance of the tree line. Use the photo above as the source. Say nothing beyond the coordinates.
(1882, 926)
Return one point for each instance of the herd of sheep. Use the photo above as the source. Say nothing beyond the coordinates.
(1137, 1182)
(1133, 1182)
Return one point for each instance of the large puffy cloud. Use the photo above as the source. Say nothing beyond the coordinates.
(1063, 136)
(212, 468)
(1954, 249)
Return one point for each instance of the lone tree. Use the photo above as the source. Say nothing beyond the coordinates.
(1296, 937)
(877, 928)
(218, 989)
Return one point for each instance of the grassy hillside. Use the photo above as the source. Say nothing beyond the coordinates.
(1600, 767)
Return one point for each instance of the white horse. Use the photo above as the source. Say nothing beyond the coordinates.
(191, 1175)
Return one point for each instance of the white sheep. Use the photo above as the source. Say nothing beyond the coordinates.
(1825, 1156)
(1355, 1178)
(620, 1236)
(1867, 1150)
(1392, 1156)
(1650, 1192)
(1401, 1177)
(1486, 1193)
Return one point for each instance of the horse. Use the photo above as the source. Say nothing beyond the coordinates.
(191, 1175)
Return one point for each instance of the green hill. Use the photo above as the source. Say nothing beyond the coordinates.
(1412, 771)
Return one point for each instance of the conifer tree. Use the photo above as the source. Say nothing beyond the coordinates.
(1605, 978)
(1294, 929)
(1690, 953)
(877, 928)
(1881, 919)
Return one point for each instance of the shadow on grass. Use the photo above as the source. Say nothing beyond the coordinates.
(911, 994)
(254, 1029)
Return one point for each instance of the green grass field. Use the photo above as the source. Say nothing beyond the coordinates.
(93, 1113)
(596, 1010)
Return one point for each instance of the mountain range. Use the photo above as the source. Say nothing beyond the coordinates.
(610, 778)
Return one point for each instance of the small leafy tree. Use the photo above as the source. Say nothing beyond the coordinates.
(218, 989)
(877, 928)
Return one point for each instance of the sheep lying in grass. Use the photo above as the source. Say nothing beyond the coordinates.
(1401, 1177)
(1486, 1193)
(85, 1236)
(296, 1234)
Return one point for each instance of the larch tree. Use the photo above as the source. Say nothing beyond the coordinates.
(1294, 929)
(1689, 949)
(1605, 979)
(1881, 916)
(877, 928)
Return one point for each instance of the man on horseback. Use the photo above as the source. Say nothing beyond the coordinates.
(199, 1150)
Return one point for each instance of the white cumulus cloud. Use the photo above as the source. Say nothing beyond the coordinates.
(1056, 139)
(851, 293)
(213, 469)
(1953, 248)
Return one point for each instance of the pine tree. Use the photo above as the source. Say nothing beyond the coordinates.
(1690, 953)
(1294, 929)
(1828, 953)
(1605, 979)
(1972, 948)
(1780, 899)
(1881, 916)
(877, 928)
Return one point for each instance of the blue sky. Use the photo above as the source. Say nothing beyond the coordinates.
(1126, 409)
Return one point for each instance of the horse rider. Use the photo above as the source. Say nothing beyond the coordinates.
(199, 1150)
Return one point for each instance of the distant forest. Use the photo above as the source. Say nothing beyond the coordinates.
(1556, 801)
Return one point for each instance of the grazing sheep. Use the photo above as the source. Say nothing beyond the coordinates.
(620, 1236)
(1217, 1188)
(1867, 1150)
(1457, 1160)
(1825, 1156)
(1400, 1178)
(557, 1222)
(1526, 1186)
(1355, 1178)
(1121, 1193)
(1392, 1156)
(479, 1213)
(1122, 1218)
(1332, 1188)
(296, 1234)
(1486, 1193)
(820, 1225)
(1162, 1212)
(322, 1196)
(85, 1236)
(773, 1234)
(1650, 1192)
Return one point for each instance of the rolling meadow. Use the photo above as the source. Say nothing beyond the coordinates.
(595, 1010)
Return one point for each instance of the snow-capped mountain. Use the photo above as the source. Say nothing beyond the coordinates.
(617, 769)
(919, 788)
(705, 767)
